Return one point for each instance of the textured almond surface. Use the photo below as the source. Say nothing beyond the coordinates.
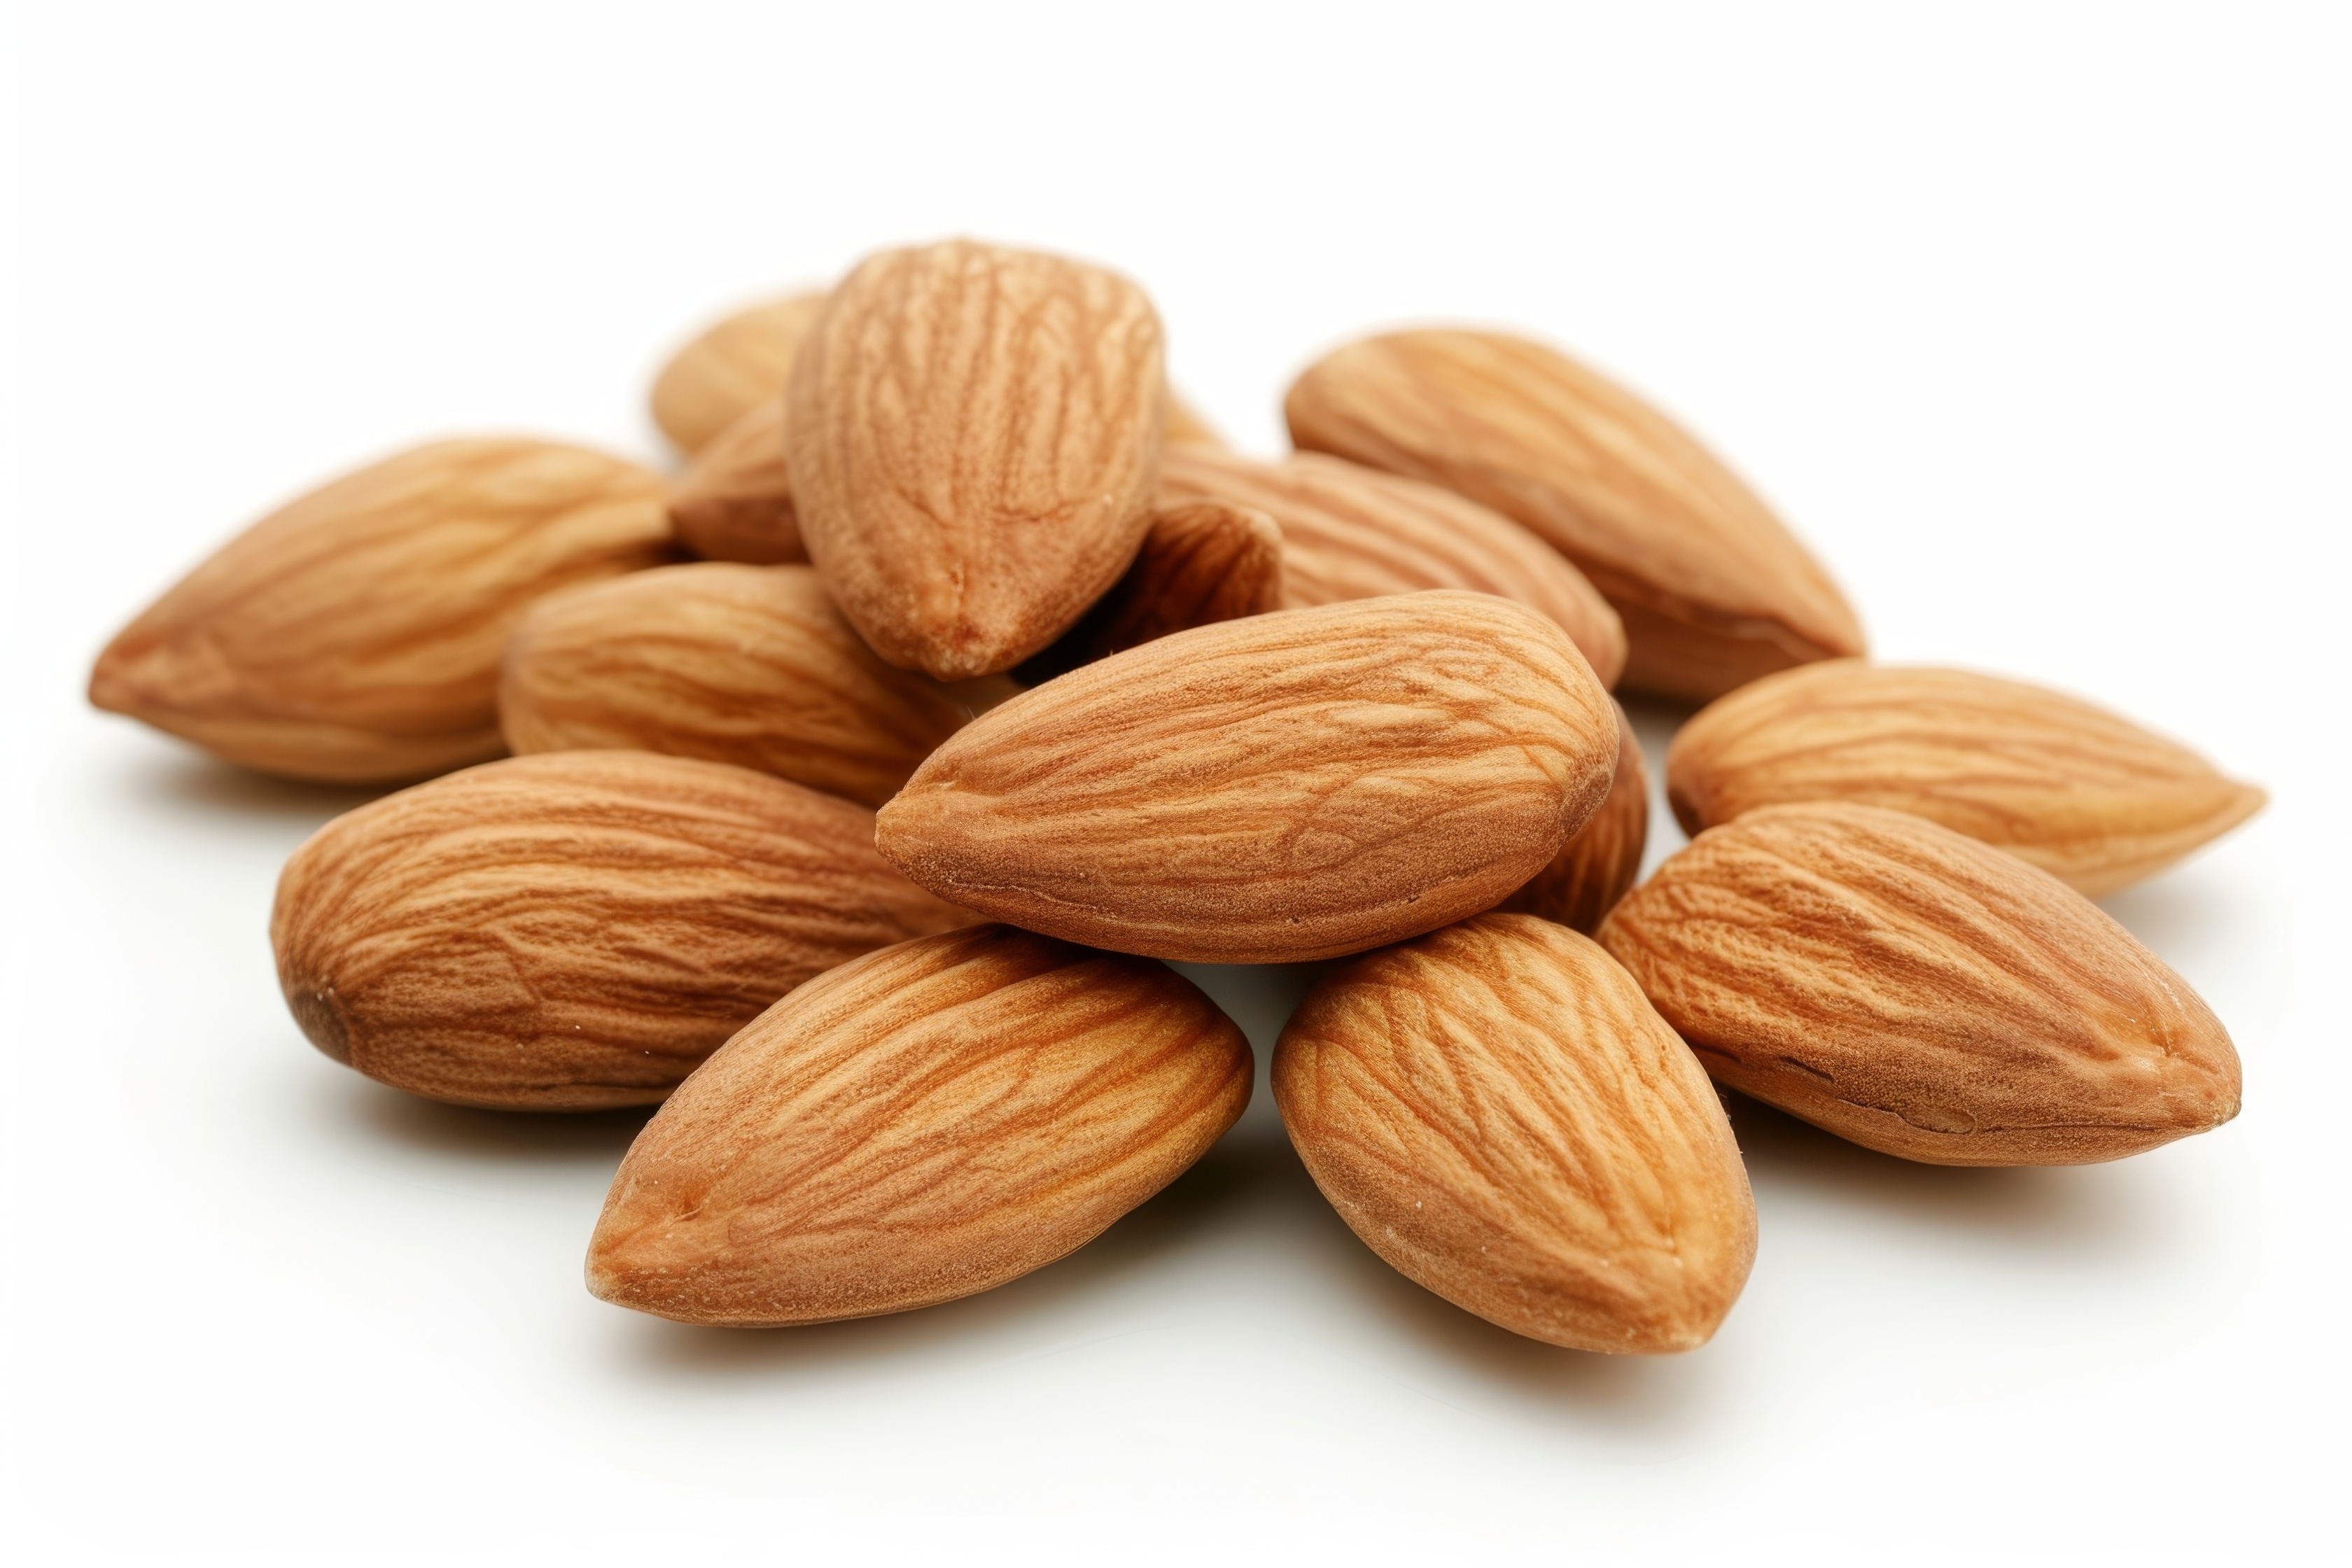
(1496, 1110)
(929, 1122)
(578, 929)
(974, 434)
(1597, 867)
(355, 635)
(2089, 797)
(736, 502)
(1291, 786)
(736, 362)
(750, 665)
(1713, 589)
(1203, 562)
(1352, 532)
(1921, 994)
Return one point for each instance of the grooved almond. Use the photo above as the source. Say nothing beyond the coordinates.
(736, 363)
(736, 502)
(1202, 562)
(1597, 867)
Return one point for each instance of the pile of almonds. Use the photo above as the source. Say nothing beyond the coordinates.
(855, 842)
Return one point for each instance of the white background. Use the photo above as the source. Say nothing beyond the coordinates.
(2032, 319)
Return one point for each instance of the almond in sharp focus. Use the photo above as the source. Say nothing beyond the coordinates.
(574, 931)
(1287, 787)
(1920, 993)
(734, 364)
(1497, 1112)
(736, 502)
(1713, 589)
(926, 1122)
(1202, 562)
(1596, 867)
(2085, 795)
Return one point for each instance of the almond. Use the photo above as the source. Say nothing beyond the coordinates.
(1185, 428)
(735, 364)
(926, 1122)
(355, 635)
(736, 502)
(1597, 867)
(974, 434)
(1713, 589)
(1201, 562)
(574, 931)
(1920, 993)
(2090, 797)
(1291, 786)
(1497, 1112)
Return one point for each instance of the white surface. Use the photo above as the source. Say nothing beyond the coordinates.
(2034, 322)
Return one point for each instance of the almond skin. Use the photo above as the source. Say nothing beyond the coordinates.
(1291, 786)
(1497, 1112)
(1202, 562)
(1713, 589)
(748, 664)
(736, 363)
(926, 1122)
(575, 931)
(974, 436)
(1352, 532)
(1597, 867)
(355, 635)
(736, 502)
(1920, 993)
(2087, 795)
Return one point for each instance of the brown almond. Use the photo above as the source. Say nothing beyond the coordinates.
(1597, 867)
(1202, 562)
(736, 363)
(736, 502)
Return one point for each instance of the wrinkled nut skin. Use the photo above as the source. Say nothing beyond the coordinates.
(1494, 1109)
(575, 931)
(1920, 993)
(748, 664)
(1202, 562)
(2087, 795)
(1597, 867)
(974, 438)
(353, 636)
(736, 502)
(1713, 589)
(736, 363)
(1353, 532)
(926, 1122)
(1292, 786)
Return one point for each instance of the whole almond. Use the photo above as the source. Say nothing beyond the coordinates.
(1713, 589)
(750, 665)
(1597, 867)
(974, 436)
(2087, 795)
(736, 502)
(733, 364)
(1287, 787)
(1497, 1112)
(355, 635)
(1352, 532)
(1920, 993)
(926, 1122)
(1202, 562)
(574, 931)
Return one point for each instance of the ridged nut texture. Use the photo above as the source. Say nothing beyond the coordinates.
(1203, 562)
(929, 1122)
(1920, 993)
(748, 664)
(2087, 795)
(1292, 786)
(1497, 1112)
(355, 636)
(1596, 867)
(1352, 532)
(575, 931)
(1713, 589)
(736, 363)
(974, 436)
(736, 502)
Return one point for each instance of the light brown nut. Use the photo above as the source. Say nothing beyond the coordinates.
(574, 931)
(736, 502)
(1351, 533)
(2090, 797)
(1597, 867)
(750, 665)
(1713, 589)
(926, 1122)
(974, 436)
(1202, 562)
(735, 363)
(1920, 993)
(355, 635)
(1185, 426)
(1496, 1110)
(1291, 786)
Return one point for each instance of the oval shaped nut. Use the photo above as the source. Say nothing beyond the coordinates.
(974, 436)
(1494, 1109)
(2087, 795)
(736, 502)
(1920, 993)
(1597, 865)
(748, 664)
(926, 1122)
(355, 635)
(574, 931)
(1352, 532)
(1713, 589)
(736, 362)
(1292, 786)
(1203, 562)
